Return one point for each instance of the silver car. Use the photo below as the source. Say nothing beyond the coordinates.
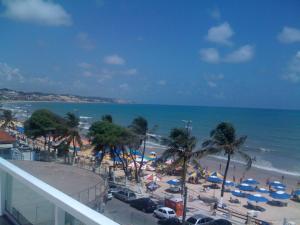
(125, 195)
(199, 219)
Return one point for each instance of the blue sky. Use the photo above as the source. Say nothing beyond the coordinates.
(217, 53)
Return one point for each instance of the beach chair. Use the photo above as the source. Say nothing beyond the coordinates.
(235, 201)
(254, 207)
(277, 203)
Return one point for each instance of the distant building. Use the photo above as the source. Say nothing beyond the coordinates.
(7, 143)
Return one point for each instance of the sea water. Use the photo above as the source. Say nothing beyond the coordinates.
(273, 135)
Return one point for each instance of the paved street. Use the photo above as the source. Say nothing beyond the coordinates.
(124, 214)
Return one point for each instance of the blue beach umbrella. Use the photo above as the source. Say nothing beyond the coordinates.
(297, 192)
(279, 188)
(174, 182)
(262, 190)
(246, 187)
(276, 183)
(238, 193)
(229, 183)
(257, 198)
(250, 181)
(280, 195)
(214, 179)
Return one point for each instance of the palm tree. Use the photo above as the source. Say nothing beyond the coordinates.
(140, 127)
(181, 146)
(223, 138)
(72, 134)
(8, 119)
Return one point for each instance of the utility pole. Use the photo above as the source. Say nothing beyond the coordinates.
(188, 127)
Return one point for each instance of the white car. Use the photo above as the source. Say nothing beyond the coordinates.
(164, 213)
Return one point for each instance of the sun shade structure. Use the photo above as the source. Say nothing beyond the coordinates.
(214, 179)
(229, 183)
(250, 181)
(246, 187)
(279, 188)
(257, 198)
(280, 195)
(262, 190)
(276, 183)
(238, 193)
(174, 182)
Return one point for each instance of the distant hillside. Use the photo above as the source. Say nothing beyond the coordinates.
(12, 95)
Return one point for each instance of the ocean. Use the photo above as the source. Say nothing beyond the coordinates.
(273, 135)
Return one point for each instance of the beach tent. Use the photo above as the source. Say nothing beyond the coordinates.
(297, 192)
(279, 188)
(250, 181)
(246, 187)
(174, 182)
(280, 195)
(262, 190)
(257, 198)
(214, 179)
(276, 183)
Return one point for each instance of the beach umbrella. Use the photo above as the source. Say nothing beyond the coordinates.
(229, 183)
(246, 187)
(250, 181)
(152, 177)
(152, 153)
(297, 192)
(279, 188)
(280, 195)
(214, 173)
(214, 179)
(262, 190)
(238, 193)
(152, 186)
(257, 198)
(174, 182)
(276, 183)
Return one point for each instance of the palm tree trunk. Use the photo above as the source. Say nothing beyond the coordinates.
(225, 176)
(143, 155)
(184, 189)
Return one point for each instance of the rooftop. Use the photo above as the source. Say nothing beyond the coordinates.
(5, 138)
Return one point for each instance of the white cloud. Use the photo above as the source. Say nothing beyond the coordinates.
(87, 74)
(37, 11)
(220, 34)
(85, 65)
(124, 86)
(84, 41)
(114, 60)
(289, 35)
(213, 79)
(293, 71)
(162, 82)
(210, 55)
(132, 71)
(8, 73)
(243, 54)
(215, 14)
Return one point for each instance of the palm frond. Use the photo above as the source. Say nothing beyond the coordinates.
(167, 154)
(240, 141)
(246, 158)
(205, 152)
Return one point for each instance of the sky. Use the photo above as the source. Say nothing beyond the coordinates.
(213, 53)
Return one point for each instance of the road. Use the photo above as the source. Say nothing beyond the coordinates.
(124, 214)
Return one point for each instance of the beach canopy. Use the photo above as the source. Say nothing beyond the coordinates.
(174, 182)
(250, 181)
(152, 177)
(257, 198)
(214, 173)
(262, 190)
(276, 183)
(280, 195)
(238, 193)
(279, 188)
(246, 187)
(229, 183)
(297, 192)
(214, 179)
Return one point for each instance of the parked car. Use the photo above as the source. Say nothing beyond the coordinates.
(109, 195)
(113, 188)
(164, 213)
(125, 195)
(220, 222)
(144, 204)
(170, 221)
(199, 219)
